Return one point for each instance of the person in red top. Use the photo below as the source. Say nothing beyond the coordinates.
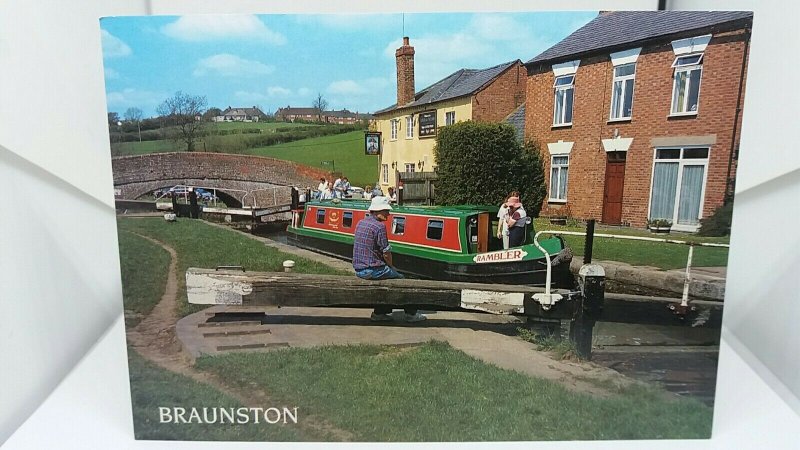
(516, 221)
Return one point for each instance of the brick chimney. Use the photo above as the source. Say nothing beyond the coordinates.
(405, 73)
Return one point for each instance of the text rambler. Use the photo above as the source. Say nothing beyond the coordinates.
(220, 415)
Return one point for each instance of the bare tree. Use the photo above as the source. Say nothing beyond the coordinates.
(184, 111)
(320, 105)
(135, 114)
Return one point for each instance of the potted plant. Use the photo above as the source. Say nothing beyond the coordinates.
(659, 225)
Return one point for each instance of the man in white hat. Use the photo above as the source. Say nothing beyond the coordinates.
(372, 255)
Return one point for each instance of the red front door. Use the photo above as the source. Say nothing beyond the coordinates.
(612, 197)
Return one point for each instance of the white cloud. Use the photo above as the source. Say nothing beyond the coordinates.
(277, 91)
(249, 98)
(345, 87)
(209, 28)
(110, 73)
(113, 47)
(130, 97)
(228, 65)
(304, 92)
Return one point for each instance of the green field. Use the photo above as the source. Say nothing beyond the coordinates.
(211, 141)
(144, 267)
(345, 150)
(641, 253)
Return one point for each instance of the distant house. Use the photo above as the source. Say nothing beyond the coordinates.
(344, 117)
(409, 127)
(639, 114)
(240, 115)
(290, 114)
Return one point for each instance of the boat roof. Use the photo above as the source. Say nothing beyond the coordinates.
(450, 211)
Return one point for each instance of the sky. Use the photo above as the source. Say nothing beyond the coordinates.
(274, 61)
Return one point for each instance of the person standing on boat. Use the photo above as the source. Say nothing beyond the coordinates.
(392, 195)
(516, 221)
(502, 215)
(323, 183)
(372, 255)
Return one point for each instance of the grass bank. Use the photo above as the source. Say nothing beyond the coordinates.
(436, 393)
(345, 150)
(152, 387)
(199, 244)
(144, 266)
(642, 253)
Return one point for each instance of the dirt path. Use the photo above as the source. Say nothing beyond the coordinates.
(154, 339)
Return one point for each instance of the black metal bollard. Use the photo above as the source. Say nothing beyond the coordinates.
(592, 282)
(589, 244)
(295, 199)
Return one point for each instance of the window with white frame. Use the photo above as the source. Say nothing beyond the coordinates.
(686, 87)
(450, 118)
(409, 127)
(559, 175)
(395, 124)
(385, 173)
(622, 91)
(564, 87)
(678, 186)
(409, 167)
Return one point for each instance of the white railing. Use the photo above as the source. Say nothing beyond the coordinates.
(185, 193)
(687, 279)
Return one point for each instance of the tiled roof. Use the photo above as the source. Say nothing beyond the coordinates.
(242, 112)
(620, 28)
(517, 120)
(458, 84)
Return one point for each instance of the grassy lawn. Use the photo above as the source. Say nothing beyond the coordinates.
(144, 267)
(199, 244)
(346, 150)
(436, 393)
(144, 147)
(663, 256)
(152, 387)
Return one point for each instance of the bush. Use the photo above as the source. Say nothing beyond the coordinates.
(719, 223)
(480, 163)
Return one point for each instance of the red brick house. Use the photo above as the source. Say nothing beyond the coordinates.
(638, 115)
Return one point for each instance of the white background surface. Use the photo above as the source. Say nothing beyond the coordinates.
(59, 268)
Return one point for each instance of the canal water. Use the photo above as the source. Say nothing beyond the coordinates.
(681, 359)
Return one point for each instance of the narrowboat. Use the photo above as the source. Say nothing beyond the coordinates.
(450, 243)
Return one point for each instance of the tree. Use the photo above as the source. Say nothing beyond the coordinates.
(113, 118)
(481, 163)
(135, 115)
(184, 111)
(320, 105)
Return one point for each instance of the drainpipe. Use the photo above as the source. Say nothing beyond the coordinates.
(738, 111)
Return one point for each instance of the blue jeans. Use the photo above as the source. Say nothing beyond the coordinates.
(382, 273)
(378, 273)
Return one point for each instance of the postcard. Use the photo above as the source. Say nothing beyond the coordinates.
(425, 227)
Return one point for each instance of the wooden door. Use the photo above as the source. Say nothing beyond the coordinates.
(612, 197)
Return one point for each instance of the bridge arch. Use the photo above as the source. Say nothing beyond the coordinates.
(256, 180)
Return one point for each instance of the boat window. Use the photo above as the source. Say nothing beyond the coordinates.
(320, 216)
(347, 219)
(398, 225)
(435, 229)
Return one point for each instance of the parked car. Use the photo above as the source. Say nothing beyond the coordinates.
(205, 195)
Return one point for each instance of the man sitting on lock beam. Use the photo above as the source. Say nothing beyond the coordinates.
(372, 256)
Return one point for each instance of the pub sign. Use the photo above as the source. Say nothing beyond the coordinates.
(427, 124)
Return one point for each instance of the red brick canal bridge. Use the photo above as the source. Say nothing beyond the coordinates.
(264, 180)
